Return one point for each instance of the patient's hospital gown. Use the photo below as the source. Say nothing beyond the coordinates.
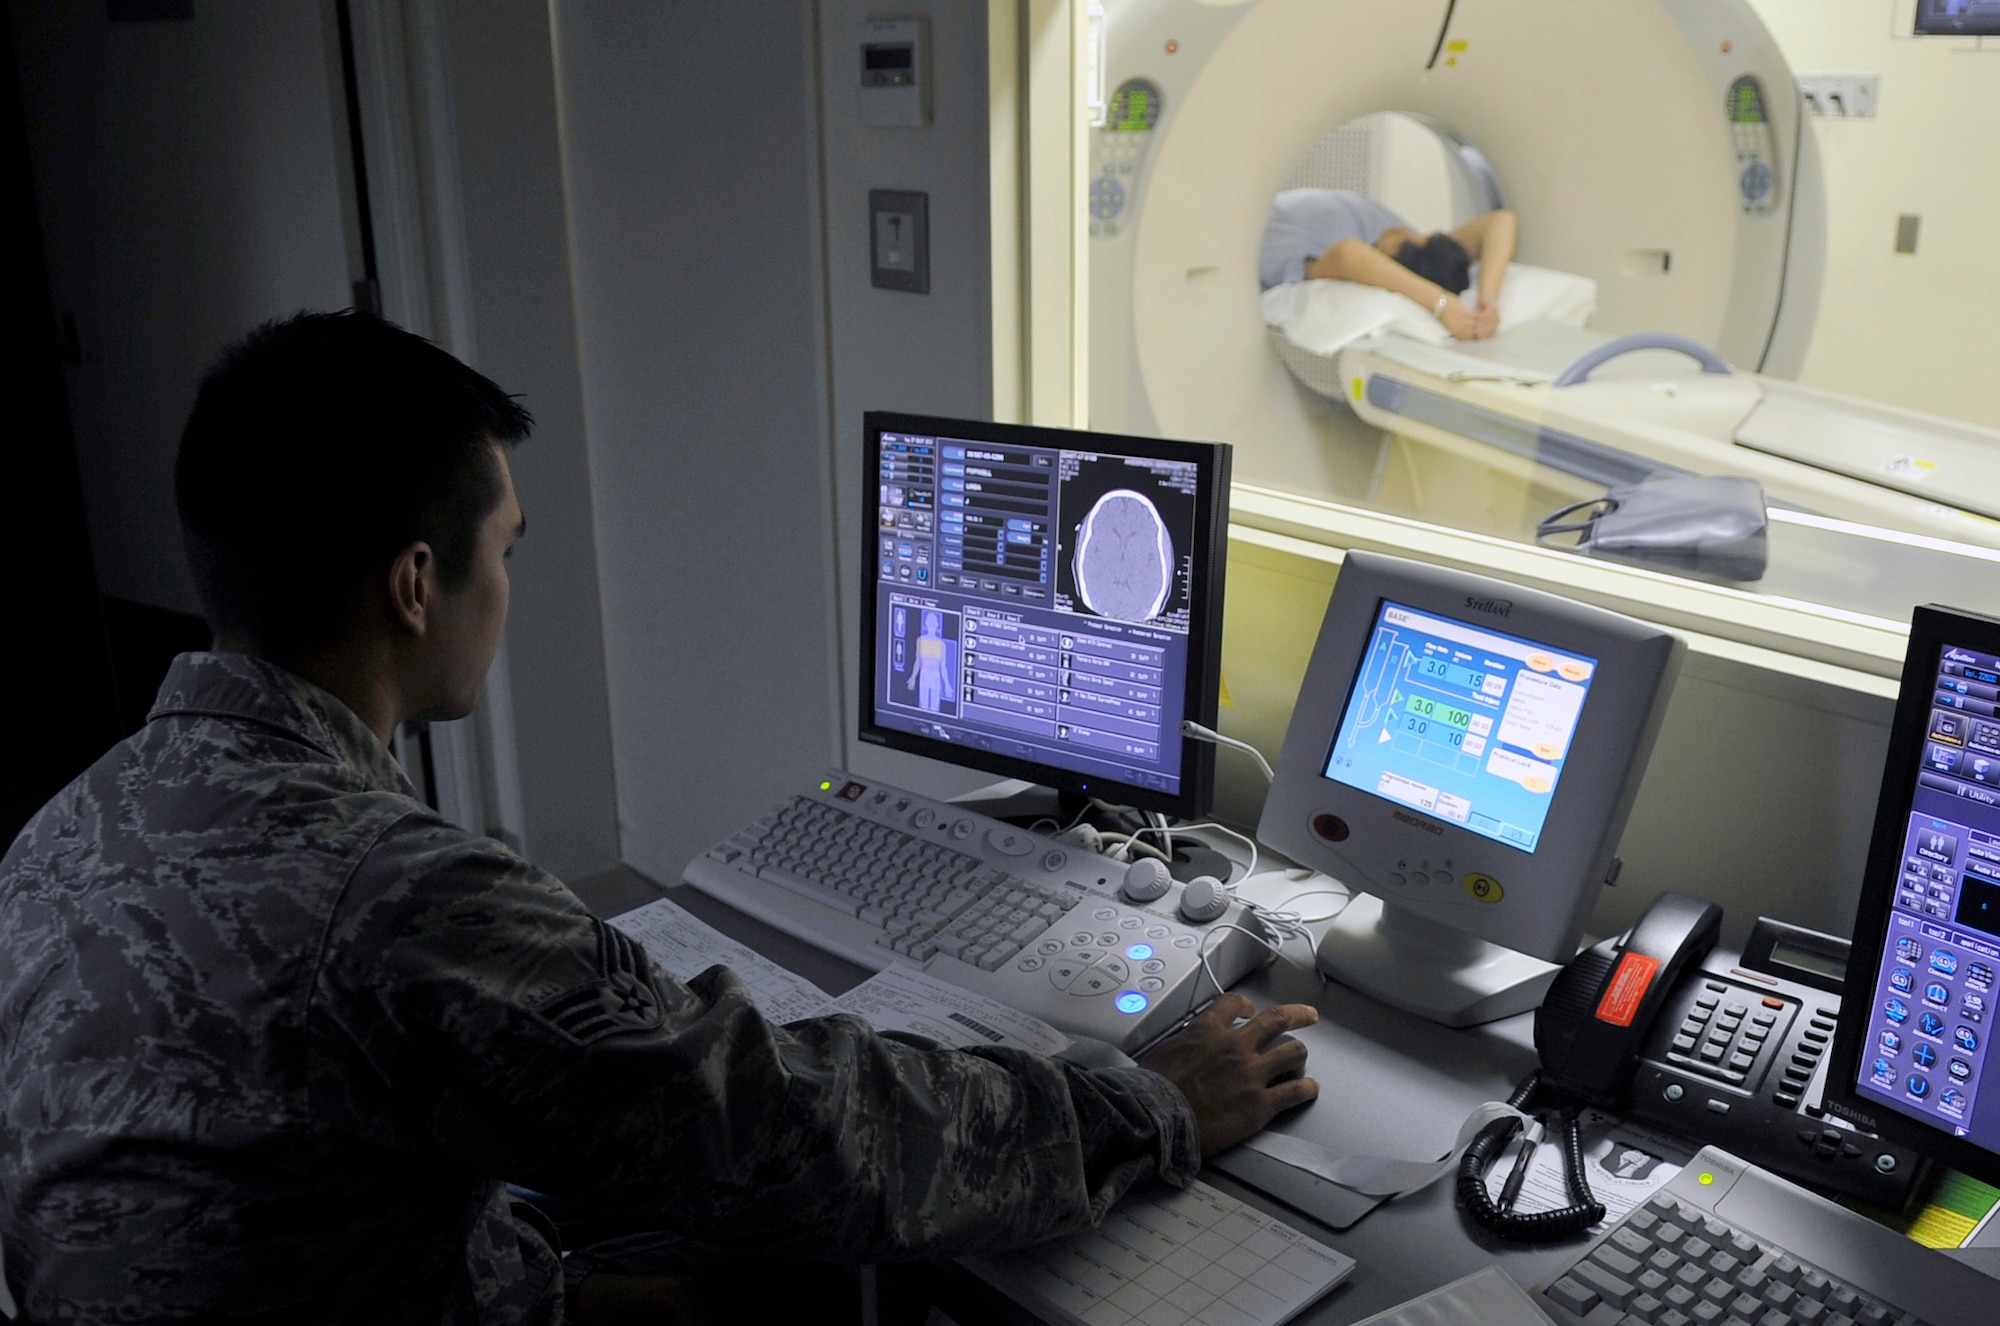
(1307, 222)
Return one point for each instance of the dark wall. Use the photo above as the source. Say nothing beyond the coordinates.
(61, 705)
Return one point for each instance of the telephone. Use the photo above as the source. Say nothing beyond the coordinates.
(1718, 1047)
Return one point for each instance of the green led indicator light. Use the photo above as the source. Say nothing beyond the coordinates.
(826, 786)
(1706, 1179)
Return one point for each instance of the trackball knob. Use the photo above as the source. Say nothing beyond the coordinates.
(1146, 880)
(1203, 900)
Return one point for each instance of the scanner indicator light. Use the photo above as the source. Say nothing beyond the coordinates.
(1705, 1179)
(1132, 1002)
(826, 785)
(1139, 952)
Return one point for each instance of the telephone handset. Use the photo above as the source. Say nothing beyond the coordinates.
(1588, 1034)
(1595, 1018)
(1716, 1046)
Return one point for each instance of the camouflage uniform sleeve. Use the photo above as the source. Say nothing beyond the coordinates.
(535, 1043)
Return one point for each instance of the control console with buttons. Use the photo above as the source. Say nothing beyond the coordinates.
(1090, 945)
(1737, 1059)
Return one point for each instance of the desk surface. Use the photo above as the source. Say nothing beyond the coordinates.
(1391, 1084)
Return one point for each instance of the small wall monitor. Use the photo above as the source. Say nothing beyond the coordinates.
(1466, 751)
(1045, 604)
(1912, 1053)
(1957, 18)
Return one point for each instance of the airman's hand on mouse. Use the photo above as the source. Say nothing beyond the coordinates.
(1237, 1078)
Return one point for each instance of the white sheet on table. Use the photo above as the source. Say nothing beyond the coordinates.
(1324, 317)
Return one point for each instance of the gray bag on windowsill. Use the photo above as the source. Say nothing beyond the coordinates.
(1711, 527)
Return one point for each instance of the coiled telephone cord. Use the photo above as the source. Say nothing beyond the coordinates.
(1534, 1226)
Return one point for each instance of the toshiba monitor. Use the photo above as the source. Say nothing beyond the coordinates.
(1912, 1042)
(1464, 751)
(1045, 604)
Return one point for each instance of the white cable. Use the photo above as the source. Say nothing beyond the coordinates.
(1191, 728)
(1061, 829)
(1243, 838)
(1124, 844)
(1285, 908)
(1275, 946)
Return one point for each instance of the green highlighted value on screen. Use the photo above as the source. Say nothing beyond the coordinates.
(1465, 723)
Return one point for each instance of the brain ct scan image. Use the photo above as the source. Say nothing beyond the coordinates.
(1124, 557)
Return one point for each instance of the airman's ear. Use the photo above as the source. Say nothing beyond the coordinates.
(410, 587)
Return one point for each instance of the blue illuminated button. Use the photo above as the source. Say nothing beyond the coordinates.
(1924, 1055)
(1952, 1099)
(1935, 993)
(1902, 979)
(1884, 1073)
(1944, 963)
(1919, 1086)
(1891, 1041)
(1967, 1038)
(1139, 952)
(1961, 1069)
(1132, 1002)
(1930, 1024)
(1896, 1011)
(1909, 950)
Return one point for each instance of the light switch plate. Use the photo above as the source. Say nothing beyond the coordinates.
(1840, 96)
(899, 240)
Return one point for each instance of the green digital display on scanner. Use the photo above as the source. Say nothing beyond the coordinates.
(1132, 111)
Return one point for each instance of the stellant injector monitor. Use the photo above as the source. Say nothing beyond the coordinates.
(1465, 751)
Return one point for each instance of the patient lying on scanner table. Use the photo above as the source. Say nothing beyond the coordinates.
(1337, 234)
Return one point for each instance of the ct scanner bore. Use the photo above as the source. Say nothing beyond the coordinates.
(1608, 125)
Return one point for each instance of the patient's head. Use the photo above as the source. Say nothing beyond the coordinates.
(1439, 258)
(319, 449)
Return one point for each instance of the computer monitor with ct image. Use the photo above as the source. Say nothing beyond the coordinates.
(1912, 1059)
(1464, 752)
(1045, 604)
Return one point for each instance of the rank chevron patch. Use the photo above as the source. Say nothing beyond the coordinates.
(620, 1000)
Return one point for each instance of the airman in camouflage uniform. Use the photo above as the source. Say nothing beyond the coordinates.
(272, 1033)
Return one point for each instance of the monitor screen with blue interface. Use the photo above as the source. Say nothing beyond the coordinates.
(1462, 722)
(1926, 1045)
(1045, 598)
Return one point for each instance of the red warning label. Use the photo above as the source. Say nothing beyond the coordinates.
(1627, 989)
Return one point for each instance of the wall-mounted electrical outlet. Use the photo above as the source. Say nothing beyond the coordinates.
(1840, 96)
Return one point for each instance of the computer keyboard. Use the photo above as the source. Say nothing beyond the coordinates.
(880, 875)
(1728, 1244)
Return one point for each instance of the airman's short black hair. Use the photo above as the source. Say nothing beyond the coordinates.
(318, 448)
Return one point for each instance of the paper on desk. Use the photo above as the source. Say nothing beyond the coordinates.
(1625, 1162)
(907, 1000)
(686, 946)
(899, 999)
